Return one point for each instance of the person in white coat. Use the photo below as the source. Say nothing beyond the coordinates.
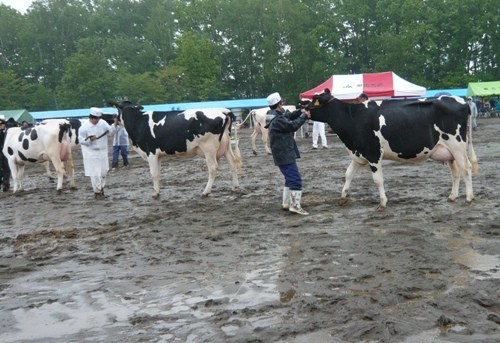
(93, 139)
(319, 131)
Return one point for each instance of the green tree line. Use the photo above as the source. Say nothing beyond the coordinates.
(78, 53)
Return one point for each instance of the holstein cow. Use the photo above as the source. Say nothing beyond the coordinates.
(402, 131)
(203, 132)
(45, 142)
(259, 119)
(73, 136)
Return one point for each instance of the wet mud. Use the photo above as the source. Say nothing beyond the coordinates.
(235, 267)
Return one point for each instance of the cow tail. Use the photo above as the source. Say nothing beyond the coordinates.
(472, 153)
(236, 155)
(64, 130)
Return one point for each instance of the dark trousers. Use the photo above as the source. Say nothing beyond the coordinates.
(117, 149)
(293, 180)
(4, 172)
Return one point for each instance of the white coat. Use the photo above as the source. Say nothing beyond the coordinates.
(95, 153)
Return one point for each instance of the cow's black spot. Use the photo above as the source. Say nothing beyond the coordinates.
(26, 143)
(10, 151)
(445, 136)
(21, 156)
(34, 135)
(373, 168)
(27, 131)
(21, 136)
(458, 138)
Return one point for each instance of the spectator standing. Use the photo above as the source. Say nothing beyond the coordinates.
(319, 131)
(4, 163)
(93, 140)
(120, 144)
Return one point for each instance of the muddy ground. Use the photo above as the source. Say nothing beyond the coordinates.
(237, 268)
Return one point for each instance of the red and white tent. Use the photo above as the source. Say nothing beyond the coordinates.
(376, 85)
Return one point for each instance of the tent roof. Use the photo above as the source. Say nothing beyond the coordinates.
(376, 85)
(483, 88)
(18, 115)
(231, 104)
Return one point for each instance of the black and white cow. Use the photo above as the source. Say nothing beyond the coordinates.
(202, 132)
(41, 143)
(402, 131)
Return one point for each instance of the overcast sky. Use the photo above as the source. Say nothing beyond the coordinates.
(20, 5)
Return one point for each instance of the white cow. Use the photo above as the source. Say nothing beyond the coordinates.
(45, 142)
(75, 126)
(259, 119)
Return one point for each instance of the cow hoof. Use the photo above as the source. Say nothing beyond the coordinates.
(254, 153)
(203, 195)
(381, 208)
(451, 199)
(155, 196)
(59, 191)
(343, 201)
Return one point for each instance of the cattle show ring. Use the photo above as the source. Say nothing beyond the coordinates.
(401, 243)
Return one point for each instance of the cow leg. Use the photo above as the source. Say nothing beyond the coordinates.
(232, 157)
(154, 168)
(349, 174)
(70, 171)
(461, 166)
(253, 137)
(378, 178)
(14, 173)
(46, 164)
(59, 167)
(212, 172)
(265, 137)
(466, 170)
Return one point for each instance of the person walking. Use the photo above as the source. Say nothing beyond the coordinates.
(319, 131)
(93, 139)
(473, 112)
(120, 144)
(284, 150)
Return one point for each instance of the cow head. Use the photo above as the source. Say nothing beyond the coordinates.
(321, 99)
(120, 106)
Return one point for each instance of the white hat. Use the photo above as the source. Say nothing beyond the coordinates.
(273, 99)
(96, 112)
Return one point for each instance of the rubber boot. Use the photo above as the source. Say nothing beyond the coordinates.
(286, 198)
(295, 203)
